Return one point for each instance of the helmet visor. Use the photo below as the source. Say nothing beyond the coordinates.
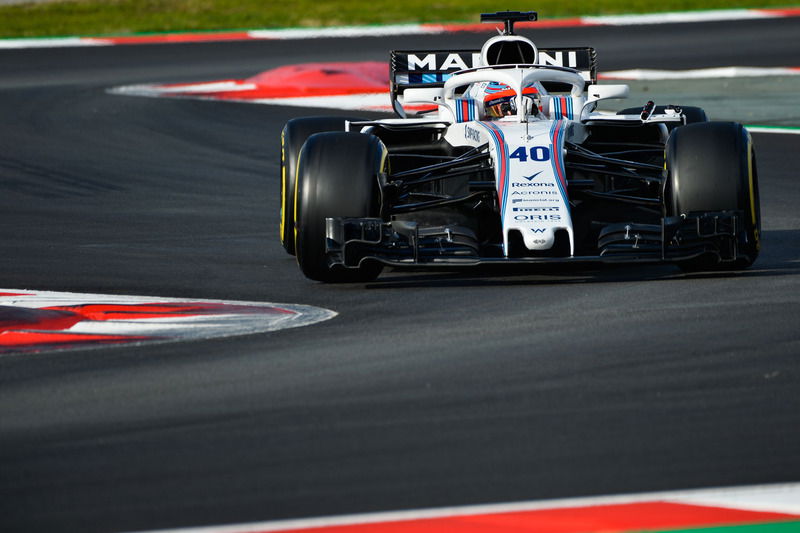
(504, 103)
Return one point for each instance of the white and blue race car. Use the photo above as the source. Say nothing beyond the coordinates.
(506, 159)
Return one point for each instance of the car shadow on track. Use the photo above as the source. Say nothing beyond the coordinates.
(779, 257)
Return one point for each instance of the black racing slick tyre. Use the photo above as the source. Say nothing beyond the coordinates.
(294, 134)
(337, 176)
(712, 167)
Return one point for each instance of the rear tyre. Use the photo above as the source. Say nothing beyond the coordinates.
(293, 136)
(711, 167)
(337, 176)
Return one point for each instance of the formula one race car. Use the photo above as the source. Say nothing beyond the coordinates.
(507, 160)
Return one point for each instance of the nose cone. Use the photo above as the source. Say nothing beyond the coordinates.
(538, 238)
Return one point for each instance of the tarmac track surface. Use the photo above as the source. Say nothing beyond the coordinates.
(429, 389)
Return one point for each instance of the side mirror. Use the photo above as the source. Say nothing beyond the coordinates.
(603, 92)
(424, 95)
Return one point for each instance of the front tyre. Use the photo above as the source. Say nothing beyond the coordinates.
(337, 176)
(294, 134)
(712, 167)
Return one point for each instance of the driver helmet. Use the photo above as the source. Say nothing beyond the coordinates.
(500, 101)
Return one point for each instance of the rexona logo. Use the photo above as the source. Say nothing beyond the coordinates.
(529, 178)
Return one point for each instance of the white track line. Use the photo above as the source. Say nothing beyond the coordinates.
(346, 31)
(55, 42)
(715, 15)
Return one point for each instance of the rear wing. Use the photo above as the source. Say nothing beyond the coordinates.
(431, 68)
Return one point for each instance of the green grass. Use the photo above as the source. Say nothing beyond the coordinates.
(121, 17)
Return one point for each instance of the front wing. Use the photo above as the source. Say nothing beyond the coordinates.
(351, 241)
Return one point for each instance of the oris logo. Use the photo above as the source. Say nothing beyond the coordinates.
(537, 218)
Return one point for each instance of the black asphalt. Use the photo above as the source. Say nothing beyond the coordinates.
(428, 389)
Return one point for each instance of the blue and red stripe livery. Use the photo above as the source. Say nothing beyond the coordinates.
(557, 159)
